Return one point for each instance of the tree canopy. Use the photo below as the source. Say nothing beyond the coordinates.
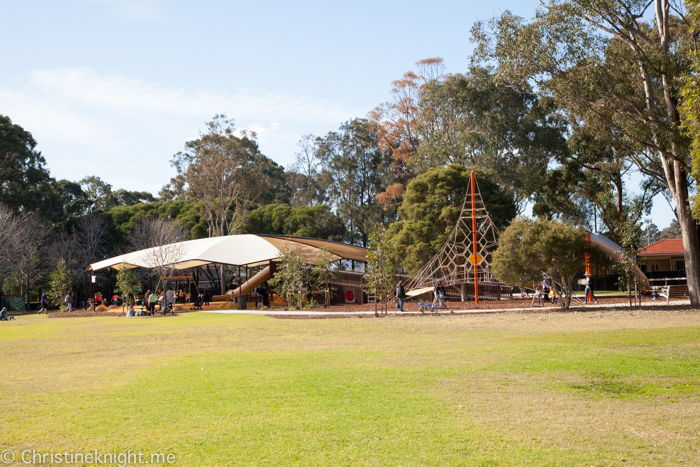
(529, 249)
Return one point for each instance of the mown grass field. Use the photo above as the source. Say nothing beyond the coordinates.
(562, 389)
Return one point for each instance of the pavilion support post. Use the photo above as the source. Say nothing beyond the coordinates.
(222, 279)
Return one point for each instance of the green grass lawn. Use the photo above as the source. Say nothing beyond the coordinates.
(563, 389)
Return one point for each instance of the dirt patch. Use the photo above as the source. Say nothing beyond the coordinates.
(81, 314)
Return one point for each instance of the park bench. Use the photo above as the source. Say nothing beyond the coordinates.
(673, 291)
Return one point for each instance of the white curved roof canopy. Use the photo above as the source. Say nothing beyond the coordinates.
(237, 250)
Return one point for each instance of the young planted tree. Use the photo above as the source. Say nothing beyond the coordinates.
(529, 249)
(291, 277)
(629, 261)
(127, 286)
(380, 272)
(59, 285)
(325, 272)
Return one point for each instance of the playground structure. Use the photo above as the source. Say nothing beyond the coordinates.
(464, 261)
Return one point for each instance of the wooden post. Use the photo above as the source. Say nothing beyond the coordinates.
(476, 272)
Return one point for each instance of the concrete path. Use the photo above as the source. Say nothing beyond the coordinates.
(589, 307)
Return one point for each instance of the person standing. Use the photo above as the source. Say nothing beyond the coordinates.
(152, 300)
(44, 303)
(440, 294)
(400, 295)
(589, 288)
(170, 299)
(69, 302)
(258, 296)
(207, 295)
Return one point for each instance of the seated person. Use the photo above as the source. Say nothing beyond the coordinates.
(131, 312)
(3, 314)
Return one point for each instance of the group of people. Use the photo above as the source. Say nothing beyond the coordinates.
(439, 294)
(547, 293)
(44, 302)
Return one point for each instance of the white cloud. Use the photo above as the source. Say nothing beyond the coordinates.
(125, 129)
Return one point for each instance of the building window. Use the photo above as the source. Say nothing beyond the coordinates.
(680, 265)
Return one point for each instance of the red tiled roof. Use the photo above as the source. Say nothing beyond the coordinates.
(665, 247)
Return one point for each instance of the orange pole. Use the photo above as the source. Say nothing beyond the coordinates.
(476, 275)
(587, 257)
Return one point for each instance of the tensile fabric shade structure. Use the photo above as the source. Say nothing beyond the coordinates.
(236, 250)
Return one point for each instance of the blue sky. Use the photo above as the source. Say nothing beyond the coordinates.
(114, 88)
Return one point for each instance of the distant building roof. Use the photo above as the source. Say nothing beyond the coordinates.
(665, 247)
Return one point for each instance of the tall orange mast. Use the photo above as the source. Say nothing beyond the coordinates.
(474, 254)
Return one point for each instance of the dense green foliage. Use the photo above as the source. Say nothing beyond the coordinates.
(304, 221)
(470, 120)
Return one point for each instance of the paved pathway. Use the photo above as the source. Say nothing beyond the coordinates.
(589, 307)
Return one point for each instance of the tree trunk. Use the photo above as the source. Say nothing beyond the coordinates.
(629, 291)
(691, 252)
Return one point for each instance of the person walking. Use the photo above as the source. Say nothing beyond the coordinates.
(589, 288)
(400, 295)
(44, 303)
(69, 302)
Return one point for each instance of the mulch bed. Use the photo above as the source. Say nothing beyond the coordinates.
(482, 305)
(517, 305)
